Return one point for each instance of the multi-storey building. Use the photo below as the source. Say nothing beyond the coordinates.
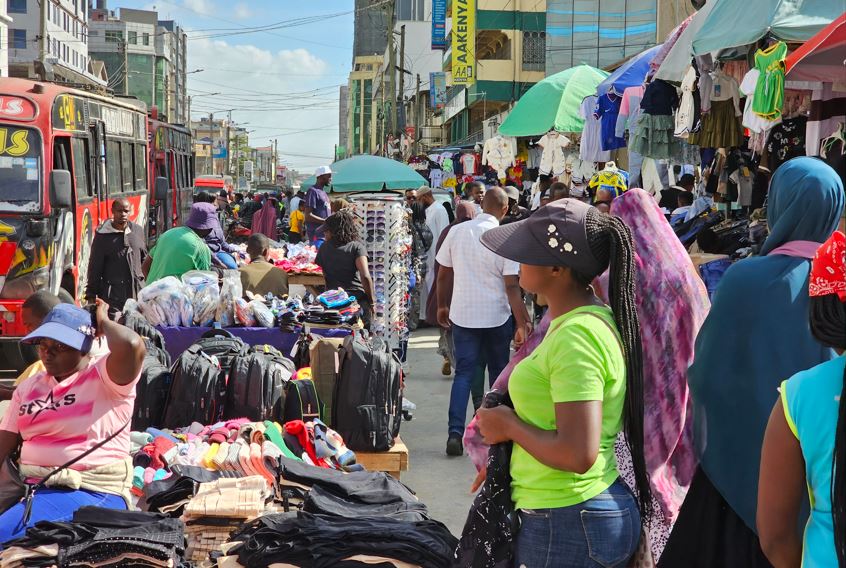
(361, 137)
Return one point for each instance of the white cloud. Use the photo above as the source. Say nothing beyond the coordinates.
(204, 7)
(241, 11)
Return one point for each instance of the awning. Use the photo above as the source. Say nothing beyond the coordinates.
(822, 57)
(632, 73)
(370, 173)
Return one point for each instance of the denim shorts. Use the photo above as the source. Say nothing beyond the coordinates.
(601, 532)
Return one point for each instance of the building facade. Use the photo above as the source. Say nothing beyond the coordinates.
(343, 122)
(361, 133)
(5, 20)
(510, 58)
(370, 28)
(49, 39)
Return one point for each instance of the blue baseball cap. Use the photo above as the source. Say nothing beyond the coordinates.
(66, 324)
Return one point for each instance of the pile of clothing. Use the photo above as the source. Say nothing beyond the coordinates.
(101, 538)
(333, 307)
(299, 259)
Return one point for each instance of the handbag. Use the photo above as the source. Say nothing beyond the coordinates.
(13, 489)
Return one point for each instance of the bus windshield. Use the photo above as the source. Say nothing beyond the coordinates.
(20, 169)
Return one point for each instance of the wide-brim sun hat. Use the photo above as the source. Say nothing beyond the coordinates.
(203, 216)
(67, 324)
(555, 235)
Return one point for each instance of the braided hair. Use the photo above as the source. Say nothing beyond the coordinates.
(343, 227)
(610, 241)
(828, 325)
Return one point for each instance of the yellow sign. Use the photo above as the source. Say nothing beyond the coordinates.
(13, 143)
(463, 42)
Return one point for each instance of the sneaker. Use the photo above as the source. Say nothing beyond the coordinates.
(454, 445)
(446, 368)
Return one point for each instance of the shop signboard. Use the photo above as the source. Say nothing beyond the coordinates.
(463, 42)
(439, 24)
(437, 89)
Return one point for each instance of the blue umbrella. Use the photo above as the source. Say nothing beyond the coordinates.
(630, 74)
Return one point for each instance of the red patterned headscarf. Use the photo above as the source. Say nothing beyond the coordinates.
(828, 271)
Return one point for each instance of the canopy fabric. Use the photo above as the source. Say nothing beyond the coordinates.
(735, 23)
(632, 73)
(370, 173)
(821, 58)
(553, 103)
(675, 64)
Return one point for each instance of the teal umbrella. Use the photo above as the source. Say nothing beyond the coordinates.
(553, 103)
(370, 173)
(736, 23)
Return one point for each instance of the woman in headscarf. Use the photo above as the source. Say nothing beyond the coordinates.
(672, 304)
(264, 221)
(464, 212)
(756, 335)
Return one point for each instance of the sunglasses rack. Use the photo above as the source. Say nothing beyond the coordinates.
(384, 228)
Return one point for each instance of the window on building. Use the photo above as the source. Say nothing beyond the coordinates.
(17, 39)
(534, 51)
(114, 36)
(16, 6)
(145, 39)
(133, 38)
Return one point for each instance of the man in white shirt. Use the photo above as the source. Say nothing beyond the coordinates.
(437, 220)
(485, 291)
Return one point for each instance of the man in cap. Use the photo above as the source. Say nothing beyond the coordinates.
(182, 248)
(317, 206)
(515, 212)
(437, 220)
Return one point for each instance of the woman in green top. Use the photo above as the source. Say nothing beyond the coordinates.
(581, 387)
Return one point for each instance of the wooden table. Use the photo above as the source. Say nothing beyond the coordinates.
(394, 461)
(311, 281)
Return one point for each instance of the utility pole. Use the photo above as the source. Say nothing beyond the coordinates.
(211, 144)
(417, 122)
(401, 97)
(275, 158)
(228, 159)
(391, 118)
(42, 56)
(126, 68)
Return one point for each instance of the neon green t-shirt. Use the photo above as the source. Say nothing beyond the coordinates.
(176, 252)
(580, 359)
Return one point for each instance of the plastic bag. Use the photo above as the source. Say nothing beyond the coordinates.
(263, 315)
(230, 290)
(131, 306)
(162, 301)
(205, 302)
(244, 313)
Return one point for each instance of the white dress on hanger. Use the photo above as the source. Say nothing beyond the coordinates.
(553, 160)
(498, 153)
(686, 111)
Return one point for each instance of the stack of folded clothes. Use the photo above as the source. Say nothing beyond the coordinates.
(100, 538)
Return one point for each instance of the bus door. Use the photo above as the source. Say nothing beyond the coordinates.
(97, 158)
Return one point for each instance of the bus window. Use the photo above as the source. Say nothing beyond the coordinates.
(113, 167)
(20, 169)
(79, 149)
(126, 166)
(140, 167)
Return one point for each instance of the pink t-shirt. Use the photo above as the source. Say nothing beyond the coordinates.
(60, 421)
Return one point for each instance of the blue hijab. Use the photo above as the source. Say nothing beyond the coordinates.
(757, 333)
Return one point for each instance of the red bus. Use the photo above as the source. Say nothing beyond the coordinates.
(65, 155)
(171, 158)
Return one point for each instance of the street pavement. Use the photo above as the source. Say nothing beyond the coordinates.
(441, 482)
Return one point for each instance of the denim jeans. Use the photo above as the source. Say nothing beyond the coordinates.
(226, 259)
(601, 532)
(473, 346)
(53, 504)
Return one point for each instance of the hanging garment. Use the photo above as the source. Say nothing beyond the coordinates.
(626, 120)
(653, 133)
(686, 111)
(655, 176)
(720, 127)
(469, 163)
(606, 110)
(553, 158)
(769, 92)
(787, 140)
(614, 180)
(590, 148)
(828, 111)
(754, 122)
(705, 65)
(725, 88)
(498, 153)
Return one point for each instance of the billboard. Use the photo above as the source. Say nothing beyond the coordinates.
(439, 24)
(437, 90)
(463, 42)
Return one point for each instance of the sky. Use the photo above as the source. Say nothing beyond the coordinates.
(282, 84)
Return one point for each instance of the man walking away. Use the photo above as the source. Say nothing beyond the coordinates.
(483, 286)
(117, 254)
(437, 220)
(182, 248)
(317, 204)
(261, 276)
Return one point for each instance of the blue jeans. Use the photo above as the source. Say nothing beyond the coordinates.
(226, 259)
(601, 532)
(473, 346)
(53, 504)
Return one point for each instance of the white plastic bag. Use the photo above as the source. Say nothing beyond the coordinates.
(263, 315)
(230, 290)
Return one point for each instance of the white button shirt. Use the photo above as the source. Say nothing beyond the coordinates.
(478, 293)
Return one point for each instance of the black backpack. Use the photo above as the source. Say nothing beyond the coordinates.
(223, 345)
(257, 382)
(140, 325)
(302, 402)
(151, 392)
(367, 410)
(157, 352)
(197, 391)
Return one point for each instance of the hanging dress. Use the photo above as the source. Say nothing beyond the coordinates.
(769, 92)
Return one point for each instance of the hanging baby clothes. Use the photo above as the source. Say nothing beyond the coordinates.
(786, 141)
(687, 110)
(653, 134)
(498, 153)
(590, 148)
(705, 65)
(611, 178)
(626, 120)
(758, 126)
(769, 92)
(469, 163)
(606, 110)
(553, 160)
(721, 125)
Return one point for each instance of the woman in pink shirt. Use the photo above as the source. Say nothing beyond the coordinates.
(80, 405)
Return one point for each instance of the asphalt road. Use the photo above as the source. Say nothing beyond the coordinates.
(441, 482)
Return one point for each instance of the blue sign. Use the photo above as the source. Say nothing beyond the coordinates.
(439, 24)
(437, 90)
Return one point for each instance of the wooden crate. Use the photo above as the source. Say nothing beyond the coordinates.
(394, 461)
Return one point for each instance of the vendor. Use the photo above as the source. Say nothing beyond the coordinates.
(317, 204)
(260, 276)
(343, 258)
(181, 249)
(78, 403)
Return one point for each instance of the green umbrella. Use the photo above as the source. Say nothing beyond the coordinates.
(553, 103)
(370, 173)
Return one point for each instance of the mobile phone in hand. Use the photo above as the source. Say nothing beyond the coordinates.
(92, 311)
